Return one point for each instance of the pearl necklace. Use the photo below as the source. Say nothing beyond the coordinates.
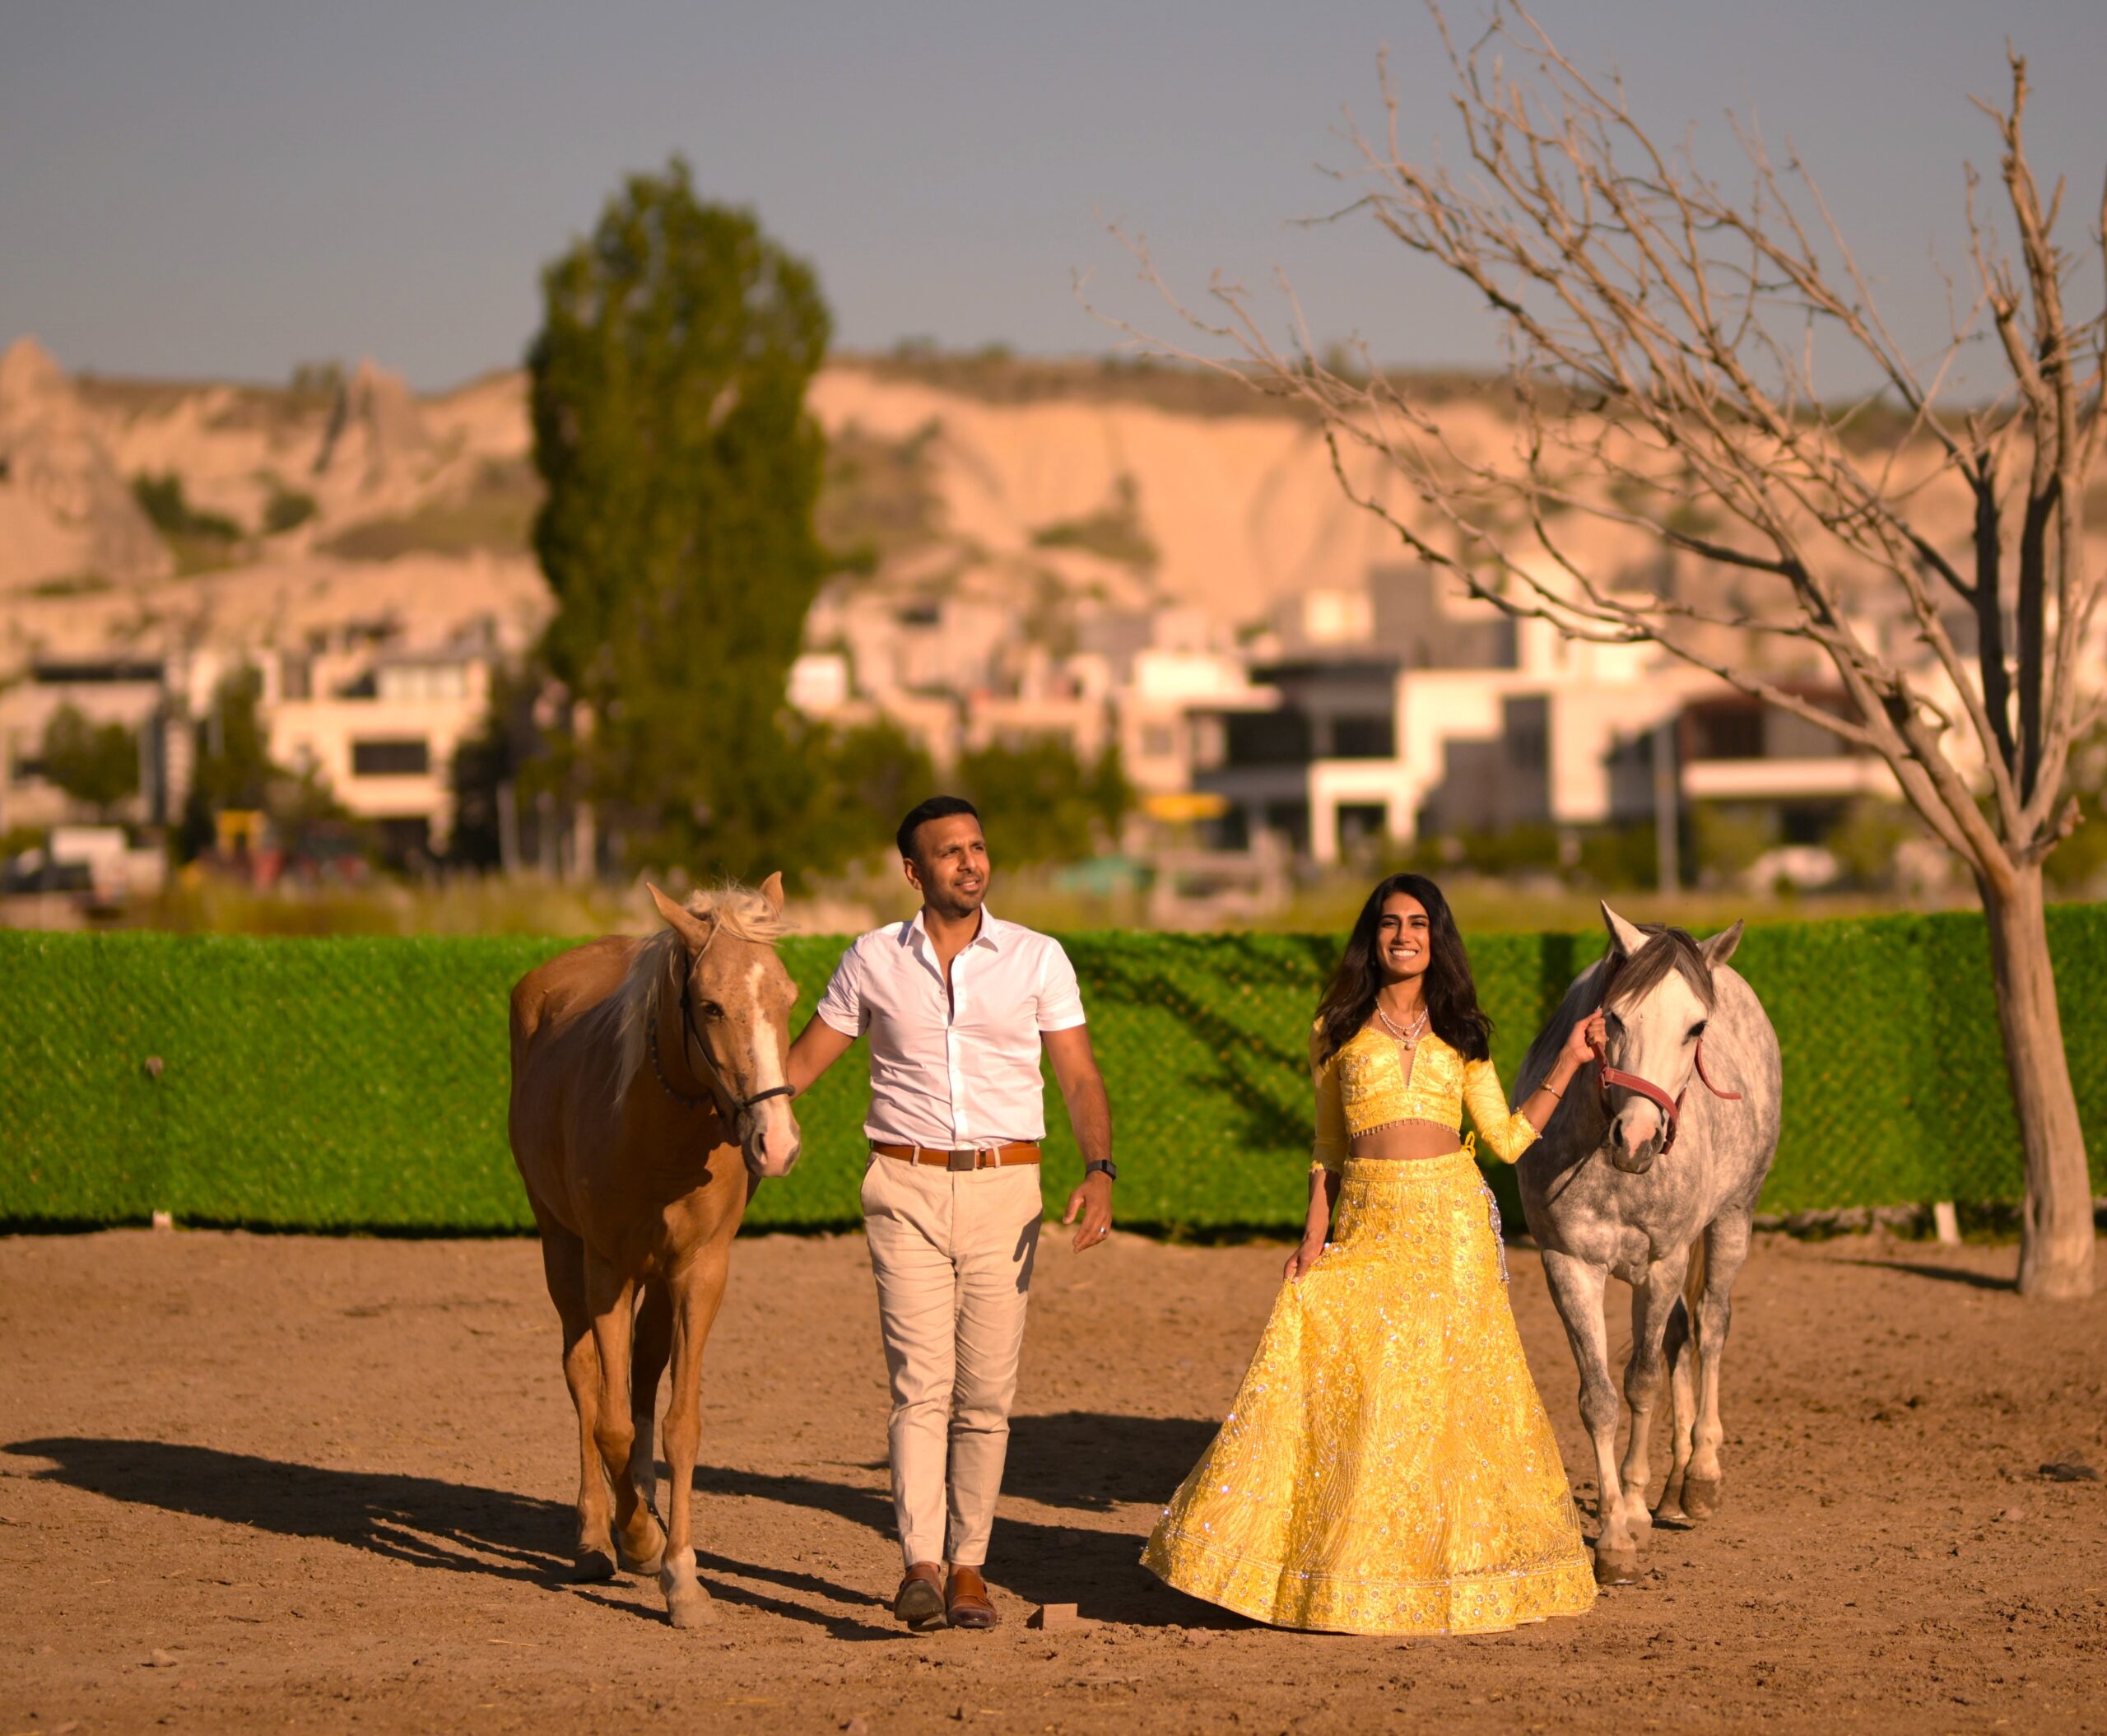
(1411, 1033)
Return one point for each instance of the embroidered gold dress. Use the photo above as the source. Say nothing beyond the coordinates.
(1388, 1468)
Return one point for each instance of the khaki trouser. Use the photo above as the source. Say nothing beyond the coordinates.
(952, 1253)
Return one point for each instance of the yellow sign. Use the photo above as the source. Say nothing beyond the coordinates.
(1177, 807)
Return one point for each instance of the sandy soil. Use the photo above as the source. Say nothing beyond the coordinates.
(315, 1484)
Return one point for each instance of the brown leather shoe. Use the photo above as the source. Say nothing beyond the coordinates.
(919, 1602)
(966, 1603)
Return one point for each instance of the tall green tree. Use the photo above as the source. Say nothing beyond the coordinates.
(668, 402)
(95, 763)
(1039, 803)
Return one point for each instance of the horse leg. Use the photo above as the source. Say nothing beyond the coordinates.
(1726, 1247)
(612, 1298)
(1652, 1303)
(696, 1292)
(1680, 1347)
(654, 1343)
(1576, 1287)
(563, 1266)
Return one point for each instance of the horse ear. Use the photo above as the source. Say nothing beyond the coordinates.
(693, 930)
(1626, 937)
(1720, 947)
(771, 889)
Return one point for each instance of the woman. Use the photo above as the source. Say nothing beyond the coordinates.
(1388, 1468)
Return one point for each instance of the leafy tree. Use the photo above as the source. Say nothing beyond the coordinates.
(668, 402)
(1039, 803)
(234, 769)
(95, 763)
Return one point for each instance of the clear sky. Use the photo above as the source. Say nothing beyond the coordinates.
(227, 187)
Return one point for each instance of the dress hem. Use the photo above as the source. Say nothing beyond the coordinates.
(1561, 1598)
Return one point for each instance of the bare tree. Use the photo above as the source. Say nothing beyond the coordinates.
(1926, 542)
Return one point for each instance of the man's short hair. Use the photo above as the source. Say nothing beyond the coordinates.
(936, 807)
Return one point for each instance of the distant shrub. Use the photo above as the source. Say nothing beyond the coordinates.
(496, 513)
(1114, 531)
(162, 498)
(286, 509)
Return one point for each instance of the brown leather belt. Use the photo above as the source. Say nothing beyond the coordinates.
(965, 1158)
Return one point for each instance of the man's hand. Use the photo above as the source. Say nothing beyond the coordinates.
(1092, 1202)
(1075, 1068)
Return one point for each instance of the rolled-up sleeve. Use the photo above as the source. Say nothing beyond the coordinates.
(1060, 997)
(1330, 1151)
(842, 1005)
(1510, 1134)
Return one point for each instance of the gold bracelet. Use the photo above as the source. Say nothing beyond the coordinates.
(1560, 1094)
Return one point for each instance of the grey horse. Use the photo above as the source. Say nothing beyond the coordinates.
(1650, 1169)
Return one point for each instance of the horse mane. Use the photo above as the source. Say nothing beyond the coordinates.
(1666, 949)
(621, 1023)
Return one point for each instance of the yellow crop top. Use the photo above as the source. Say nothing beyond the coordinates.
(1364, 1086)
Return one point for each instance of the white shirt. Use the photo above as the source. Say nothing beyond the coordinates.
(958, 1070)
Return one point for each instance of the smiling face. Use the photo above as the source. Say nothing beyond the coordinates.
(1402, 939)
(950, 866)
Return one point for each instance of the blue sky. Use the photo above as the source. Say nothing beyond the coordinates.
(193, 188)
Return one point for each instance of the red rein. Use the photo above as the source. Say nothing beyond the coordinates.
(1609, 1078)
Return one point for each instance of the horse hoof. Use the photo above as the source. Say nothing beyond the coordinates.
(591, 1567)
(1700, 1497)
(688, 1605)
(1670, 1513)
(1614, 1567)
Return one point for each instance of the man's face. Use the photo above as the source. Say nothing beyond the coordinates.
(949, 867)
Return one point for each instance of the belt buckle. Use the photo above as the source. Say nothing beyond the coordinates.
(962, 1162)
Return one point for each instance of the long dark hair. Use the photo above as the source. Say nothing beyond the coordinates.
(1452, 998)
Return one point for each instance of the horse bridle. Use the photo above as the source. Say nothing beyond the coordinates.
(692, 1042)
(1608, 1078)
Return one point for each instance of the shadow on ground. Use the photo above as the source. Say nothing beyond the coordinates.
(1079, 1460)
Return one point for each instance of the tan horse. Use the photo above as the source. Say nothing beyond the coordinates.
(643, 1073)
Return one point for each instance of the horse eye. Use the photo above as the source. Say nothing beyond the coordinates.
(709, 1009)
(1697, 1031)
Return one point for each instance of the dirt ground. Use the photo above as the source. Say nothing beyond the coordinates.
(250, 1481)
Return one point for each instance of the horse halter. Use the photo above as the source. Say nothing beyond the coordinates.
(1608, 1078)
(691, 1038)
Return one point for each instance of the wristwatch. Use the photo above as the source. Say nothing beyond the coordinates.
(1104, 1166)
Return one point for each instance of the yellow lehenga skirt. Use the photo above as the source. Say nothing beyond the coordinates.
(1388, 1468)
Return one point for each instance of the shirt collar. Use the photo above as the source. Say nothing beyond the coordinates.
(992, 929)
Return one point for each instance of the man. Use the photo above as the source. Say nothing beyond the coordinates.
(957, 1004)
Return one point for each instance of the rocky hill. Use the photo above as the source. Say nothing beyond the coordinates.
(132, 512)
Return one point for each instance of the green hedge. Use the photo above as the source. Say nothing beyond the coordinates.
(360, 1083)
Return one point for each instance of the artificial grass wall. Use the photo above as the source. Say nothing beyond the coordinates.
(360, 1083)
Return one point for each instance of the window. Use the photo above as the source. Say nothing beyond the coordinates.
(402, 757)
(1366, 737)
(1269, 737)
(1361, 821)
(1727, 731)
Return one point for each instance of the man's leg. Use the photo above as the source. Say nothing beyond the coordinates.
(996, 1235)
(907, 1217)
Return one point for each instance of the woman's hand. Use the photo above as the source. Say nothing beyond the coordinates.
(1584, 1044)
(1303, 1259)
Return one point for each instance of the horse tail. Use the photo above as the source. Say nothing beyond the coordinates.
(1693, 1283)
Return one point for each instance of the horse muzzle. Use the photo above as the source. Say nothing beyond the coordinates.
(1635, 1159)
(771, 1139)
